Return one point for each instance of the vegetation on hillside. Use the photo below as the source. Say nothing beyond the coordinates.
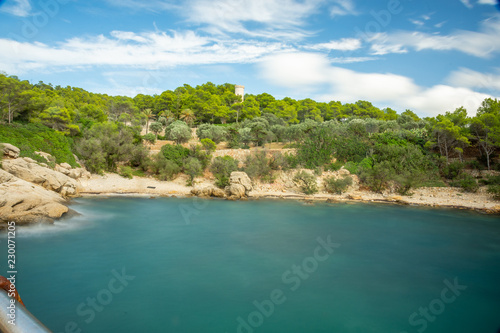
(385, 149)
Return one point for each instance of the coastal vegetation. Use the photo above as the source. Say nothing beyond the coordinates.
(386, 150)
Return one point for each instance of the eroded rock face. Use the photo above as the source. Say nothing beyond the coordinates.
(209, 191)
(241, 178)
(76, 173)
(28, 170)
(23, 202)
(10, 150)
(235, 191)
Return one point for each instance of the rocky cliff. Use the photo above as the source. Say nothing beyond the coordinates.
(31, 192)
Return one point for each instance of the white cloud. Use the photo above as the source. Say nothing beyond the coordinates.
(150, 50)
(344, 44)
(295, 69)
(277, 18)
(487, 2)
(481, 44)
(468, 78)
(17, 7)
(343, 7)
(299, 70)
(150, 5)
(467, 3)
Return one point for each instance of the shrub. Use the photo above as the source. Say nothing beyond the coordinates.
(377, 177)
(192, 168)
(106, 144)
(278, 161)
(178, 131)
(150, 137)
(126, 172)
(337, 186)
(307, 182)
(165, 169)
(36, 137)
(156, 128)
(467, 183)
(334, 166)
(221, 168)
(208, 145)
(352, 167)
(317, 149)
(175, 153)
(201, 155)
(452, 170)
(215, 133)
(494, 190)
(257, 165)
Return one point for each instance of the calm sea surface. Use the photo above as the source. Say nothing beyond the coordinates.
(187, 265)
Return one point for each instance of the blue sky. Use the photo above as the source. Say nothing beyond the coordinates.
(427, 56)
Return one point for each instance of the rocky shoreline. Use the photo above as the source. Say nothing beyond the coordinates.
(31, 192)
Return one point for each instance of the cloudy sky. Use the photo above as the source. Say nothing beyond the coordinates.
(427, 56)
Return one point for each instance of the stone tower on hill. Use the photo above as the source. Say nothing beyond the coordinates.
(240, 91)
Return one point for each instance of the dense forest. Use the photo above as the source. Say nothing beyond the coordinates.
(384, 148)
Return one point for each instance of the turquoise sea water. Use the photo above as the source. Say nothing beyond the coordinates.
(186, 265)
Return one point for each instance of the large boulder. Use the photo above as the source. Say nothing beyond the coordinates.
(241, 178)
(23, 202)
(235, 191)
(10, 150)
(30, 171)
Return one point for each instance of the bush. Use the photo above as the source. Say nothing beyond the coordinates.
(221, 168)
(257, 165)
(156, 128)
(494, 190)
(175, 153)
(337, 186)
(126, 172)
(452, 170)
(104, 145)
(36, 137)
(178, 131)
(204, 157)
(150, 137)
(208, 145)
(334, 166)
(165, 169)
(317, 149)
(467, 183)
(192, 168)
(307, 182)
(377, 177)
(352, 167)
(278, 161)
(215, 133)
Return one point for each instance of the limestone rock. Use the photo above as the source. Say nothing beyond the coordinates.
(354, 197)
(30, 171)
(235, 191)
(10, 150)
(208, 191)
(66, 166)
(23, 202)
(45, 155)
(241, 178)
